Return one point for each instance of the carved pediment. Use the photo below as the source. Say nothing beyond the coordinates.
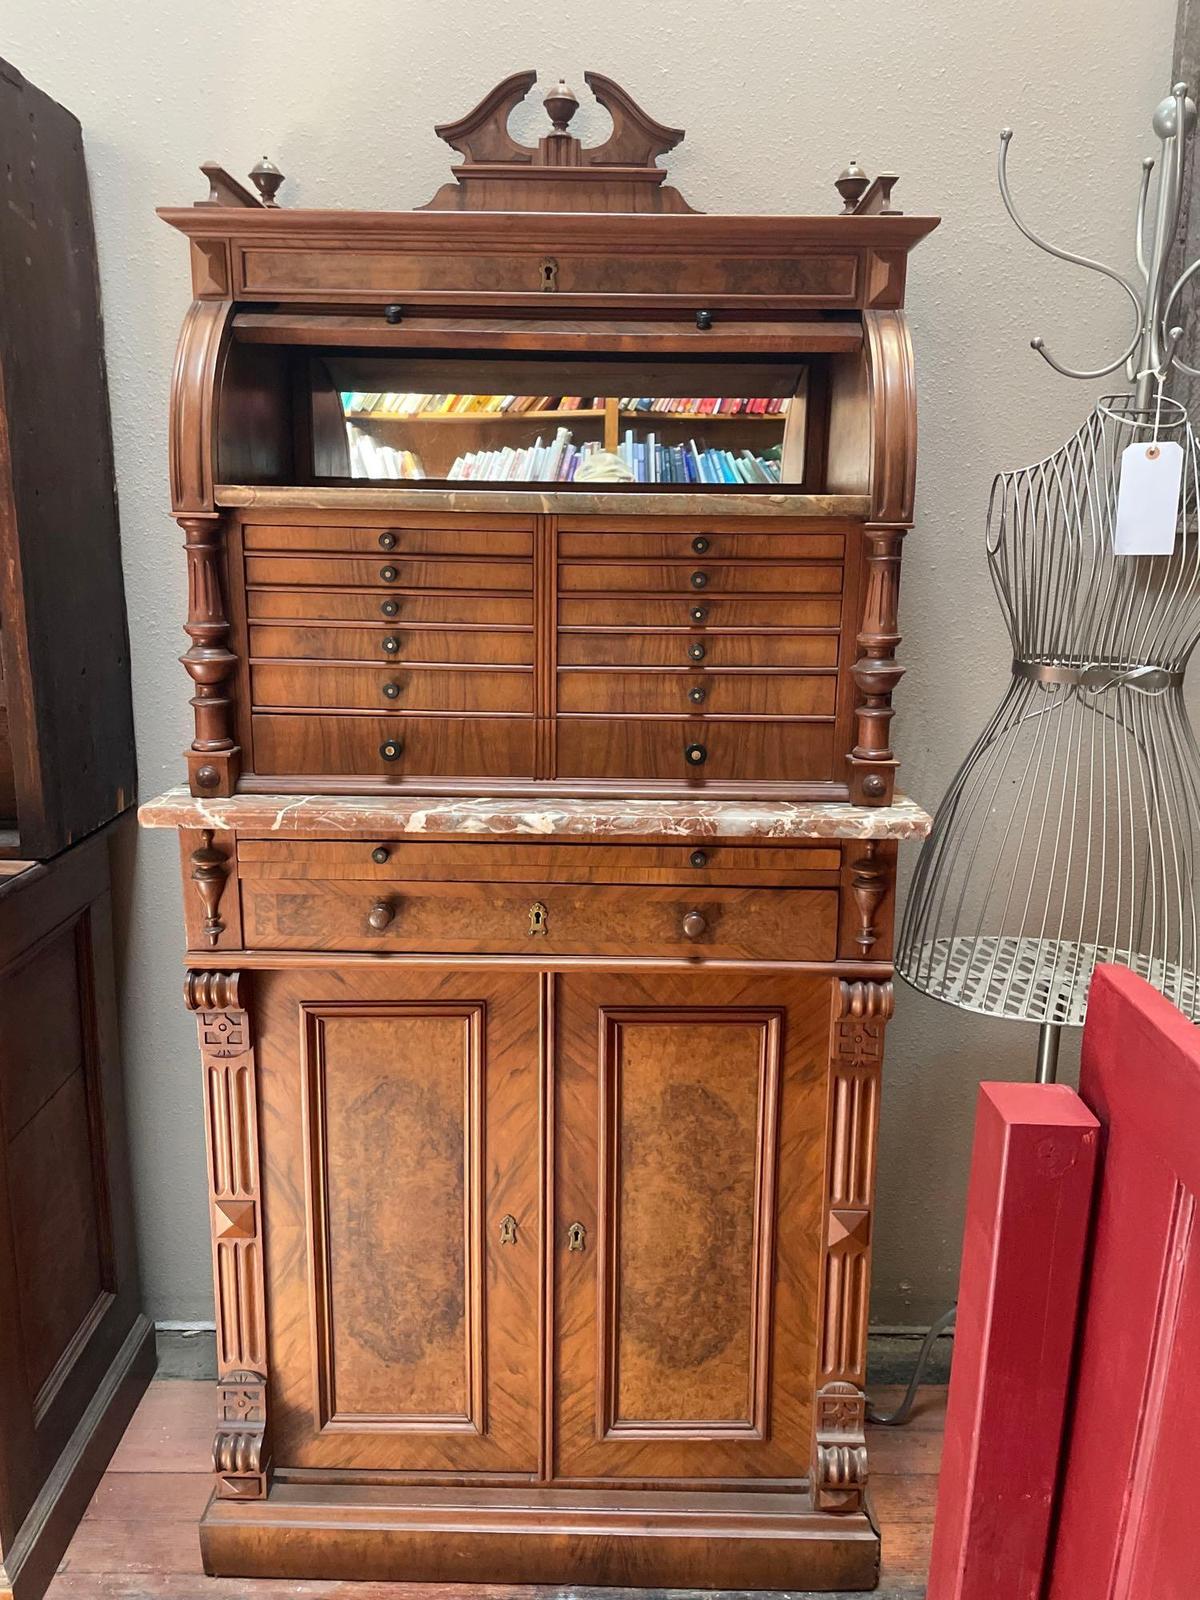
(560, 172)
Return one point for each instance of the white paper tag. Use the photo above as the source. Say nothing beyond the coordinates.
(1148, 499)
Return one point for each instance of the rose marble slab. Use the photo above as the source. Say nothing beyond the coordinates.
(318, 815)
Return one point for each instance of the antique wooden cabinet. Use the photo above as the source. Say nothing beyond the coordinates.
(75, 1350)
(538, 861)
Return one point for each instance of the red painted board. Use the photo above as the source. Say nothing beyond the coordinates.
(1028, 1207)
(1129, 1527)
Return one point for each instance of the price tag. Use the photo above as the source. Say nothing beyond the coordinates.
(1148, 498)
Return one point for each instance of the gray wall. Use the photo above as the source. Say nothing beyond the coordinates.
(776, 98)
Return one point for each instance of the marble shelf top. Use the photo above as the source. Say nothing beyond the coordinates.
(433, 816)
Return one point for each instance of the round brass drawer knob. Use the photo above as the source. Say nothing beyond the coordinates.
(697, 695)
(381, 915)
(391, 645)
(695, 755)
(694, 924)
(387, 541)
(699, 580)
(390, 749)
(700, 544)
(391, 691)
(697, 651)
(389, 574)
(390, 608)
(699, 613)
(381, 855)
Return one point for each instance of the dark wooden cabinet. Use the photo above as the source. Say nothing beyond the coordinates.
(75, 1350)
(538, 861)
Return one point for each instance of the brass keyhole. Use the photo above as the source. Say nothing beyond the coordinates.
(576, 1236)
(549, 271)
(539, 917)
(508, 1229)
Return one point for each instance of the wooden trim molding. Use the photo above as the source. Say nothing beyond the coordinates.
(860, 1013)
(193, 414)
(241, 1448)
(893, 412)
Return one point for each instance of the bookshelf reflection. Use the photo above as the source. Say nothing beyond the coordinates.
(743, 431)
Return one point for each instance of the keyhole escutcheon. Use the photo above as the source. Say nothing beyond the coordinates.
(549, 271)
(508, 1229)
(576, 1236)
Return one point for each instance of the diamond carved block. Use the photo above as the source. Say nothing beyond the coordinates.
(848, 1230)
(235, 1219)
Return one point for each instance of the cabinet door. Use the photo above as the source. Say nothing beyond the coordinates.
(689, 1147)
(399, 1137)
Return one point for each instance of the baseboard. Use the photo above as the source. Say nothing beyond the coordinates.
(42, 1538)
(189, 1350)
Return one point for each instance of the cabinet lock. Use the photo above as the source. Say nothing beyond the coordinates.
(576, 1236)
(539, 919)
(508, 1229)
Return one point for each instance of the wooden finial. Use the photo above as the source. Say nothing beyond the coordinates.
(865, 196)
(561, 105)
(266, 178)
(851, 185)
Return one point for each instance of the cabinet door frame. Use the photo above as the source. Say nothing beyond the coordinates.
(591, 1443)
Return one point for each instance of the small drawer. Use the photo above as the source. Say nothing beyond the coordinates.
(684, 864)
(747, 694)
(400, 687)
(712, 751)
(393, 748)
(386, 572)
(389, 540)
(386, 605)
(691, 545)
(699, 578)
(382, 644)
(540, 920)
(700, 611)
(690, 648)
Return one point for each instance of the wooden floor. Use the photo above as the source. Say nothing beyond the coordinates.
(138, 1539)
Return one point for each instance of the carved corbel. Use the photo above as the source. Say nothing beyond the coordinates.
(241, 1445)
(213, 760)
(860, 1013)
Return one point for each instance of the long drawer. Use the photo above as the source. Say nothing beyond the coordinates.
(700, 577)
(688, 545)
(780, 694)
(405, 688)
(481, 646)
(712, 750)
(386, 860)
(386, 603)
(691, 647)
(700, 611)
(454, 747)
(389, 571)
(390, 540)
(539, 919)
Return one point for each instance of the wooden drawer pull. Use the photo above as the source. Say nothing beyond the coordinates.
(391, 691)
(694, 924)
(390, 645)
(390, 749)
(695, 755)
(381, 915)
(699, 580)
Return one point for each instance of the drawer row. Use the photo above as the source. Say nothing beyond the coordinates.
(452, 610)
(290, 744)
(680, 544)
(515, 647)
(592, 577)
(701, 693)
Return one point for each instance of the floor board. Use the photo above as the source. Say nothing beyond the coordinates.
(138, 1539)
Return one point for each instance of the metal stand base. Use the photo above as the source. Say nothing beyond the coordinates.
(1046, 1071)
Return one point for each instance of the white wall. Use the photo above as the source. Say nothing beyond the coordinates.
(775, 99)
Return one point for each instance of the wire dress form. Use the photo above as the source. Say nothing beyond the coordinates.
(1071, 833)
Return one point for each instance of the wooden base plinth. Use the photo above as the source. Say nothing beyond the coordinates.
(29, 1561)
(647, 1539)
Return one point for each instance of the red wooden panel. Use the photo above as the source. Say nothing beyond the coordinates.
(1128, 1525)
(1032, 1171)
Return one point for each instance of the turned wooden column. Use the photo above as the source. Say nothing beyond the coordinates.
(214, 759)
(871, 763)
